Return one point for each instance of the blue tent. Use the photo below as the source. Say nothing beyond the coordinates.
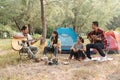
(67, 37)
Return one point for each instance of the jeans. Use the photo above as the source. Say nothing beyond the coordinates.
(31, 51)
(98, 46)
(49, 49)
(77, 55)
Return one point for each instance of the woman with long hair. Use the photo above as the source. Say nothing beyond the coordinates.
(54, 44)
(77, 50)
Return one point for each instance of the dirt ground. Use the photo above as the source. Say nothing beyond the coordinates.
(76, 70)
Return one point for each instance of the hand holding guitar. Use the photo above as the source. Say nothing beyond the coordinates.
(35, 40)
(17, 44)
(94, 38)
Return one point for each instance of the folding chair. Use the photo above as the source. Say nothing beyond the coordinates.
(22, 53)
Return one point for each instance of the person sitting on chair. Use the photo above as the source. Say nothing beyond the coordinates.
(98, 42)
(54, 46)
(30, 50)
(78, 49)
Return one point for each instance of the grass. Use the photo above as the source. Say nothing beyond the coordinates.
(5, 44)
(75, 71)
(11, 57)
(8, 59)
(13, 69)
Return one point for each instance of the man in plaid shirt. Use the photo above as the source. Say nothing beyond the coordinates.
(98, 42)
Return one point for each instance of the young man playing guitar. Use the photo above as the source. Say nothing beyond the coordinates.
(28, 48)
(98, 42)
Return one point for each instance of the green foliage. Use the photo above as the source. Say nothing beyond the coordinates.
(6, 28)
(76, 13)
(36, 36)
(49, 31)
(114, 23)
(117, 29)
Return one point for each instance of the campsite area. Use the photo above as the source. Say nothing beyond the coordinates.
(64, 28)
(13, 69)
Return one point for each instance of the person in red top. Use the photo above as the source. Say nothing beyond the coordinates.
(98, 42)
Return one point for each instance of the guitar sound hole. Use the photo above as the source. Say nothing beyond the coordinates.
(23, 41)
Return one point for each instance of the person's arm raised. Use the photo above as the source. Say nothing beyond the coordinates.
(18, 37)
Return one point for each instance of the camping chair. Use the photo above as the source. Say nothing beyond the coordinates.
(22, 53)
(106, 50)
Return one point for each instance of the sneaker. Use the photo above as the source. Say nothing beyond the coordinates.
(87, 59)
(102, 59)
(37, 59)
(96, 59)
(44, 58)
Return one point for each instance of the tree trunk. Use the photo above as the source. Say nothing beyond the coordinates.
(74, 27)
(74, 21)
(16, 24)
(44, 32)
(29, 27)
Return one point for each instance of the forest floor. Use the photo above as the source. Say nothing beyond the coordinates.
(13, 69)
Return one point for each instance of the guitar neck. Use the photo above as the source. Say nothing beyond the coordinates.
(35, 40)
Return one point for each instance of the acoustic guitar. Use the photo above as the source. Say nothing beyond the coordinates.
(18, 44)
(94, 38)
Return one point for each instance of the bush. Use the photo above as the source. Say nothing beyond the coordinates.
(36, 35)
(7, 30)
(49, 31)
(38, 30)
(117, 29)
